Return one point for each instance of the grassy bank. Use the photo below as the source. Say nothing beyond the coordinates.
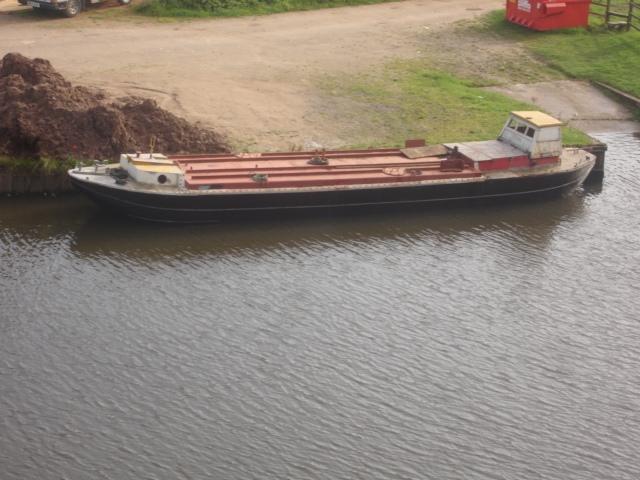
(409, 99)
(595, 54)
(440, 96)
(237, 8)
(35, 166)
(33, 176)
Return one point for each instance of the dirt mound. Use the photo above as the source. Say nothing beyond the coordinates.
(43, 115)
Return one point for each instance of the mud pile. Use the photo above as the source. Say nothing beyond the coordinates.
(43, 115)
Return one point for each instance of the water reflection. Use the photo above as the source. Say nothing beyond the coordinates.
(94, 232)
(103, 234)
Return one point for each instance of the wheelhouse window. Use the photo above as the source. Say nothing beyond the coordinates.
(521, 128)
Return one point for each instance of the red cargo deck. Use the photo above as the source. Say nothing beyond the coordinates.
(318, 169)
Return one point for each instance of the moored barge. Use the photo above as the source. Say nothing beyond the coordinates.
(527, 160)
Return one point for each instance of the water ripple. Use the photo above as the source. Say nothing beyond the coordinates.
(477, 344)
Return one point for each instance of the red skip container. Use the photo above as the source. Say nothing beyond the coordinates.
(549, 14)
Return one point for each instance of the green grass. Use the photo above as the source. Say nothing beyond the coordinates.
(35, 166)
(237, 8)
(410, 100)
(595, 54)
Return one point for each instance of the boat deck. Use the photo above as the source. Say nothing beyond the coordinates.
(308, 169)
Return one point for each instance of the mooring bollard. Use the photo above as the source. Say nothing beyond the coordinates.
(600, 151)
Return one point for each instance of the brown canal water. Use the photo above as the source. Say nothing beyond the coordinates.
(499, 343)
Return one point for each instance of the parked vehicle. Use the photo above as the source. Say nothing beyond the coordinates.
(70, 8)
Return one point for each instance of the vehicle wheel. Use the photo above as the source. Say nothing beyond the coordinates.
(73, 8)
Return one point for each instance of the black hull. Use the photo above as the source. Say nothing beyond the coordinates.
(202, 208)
